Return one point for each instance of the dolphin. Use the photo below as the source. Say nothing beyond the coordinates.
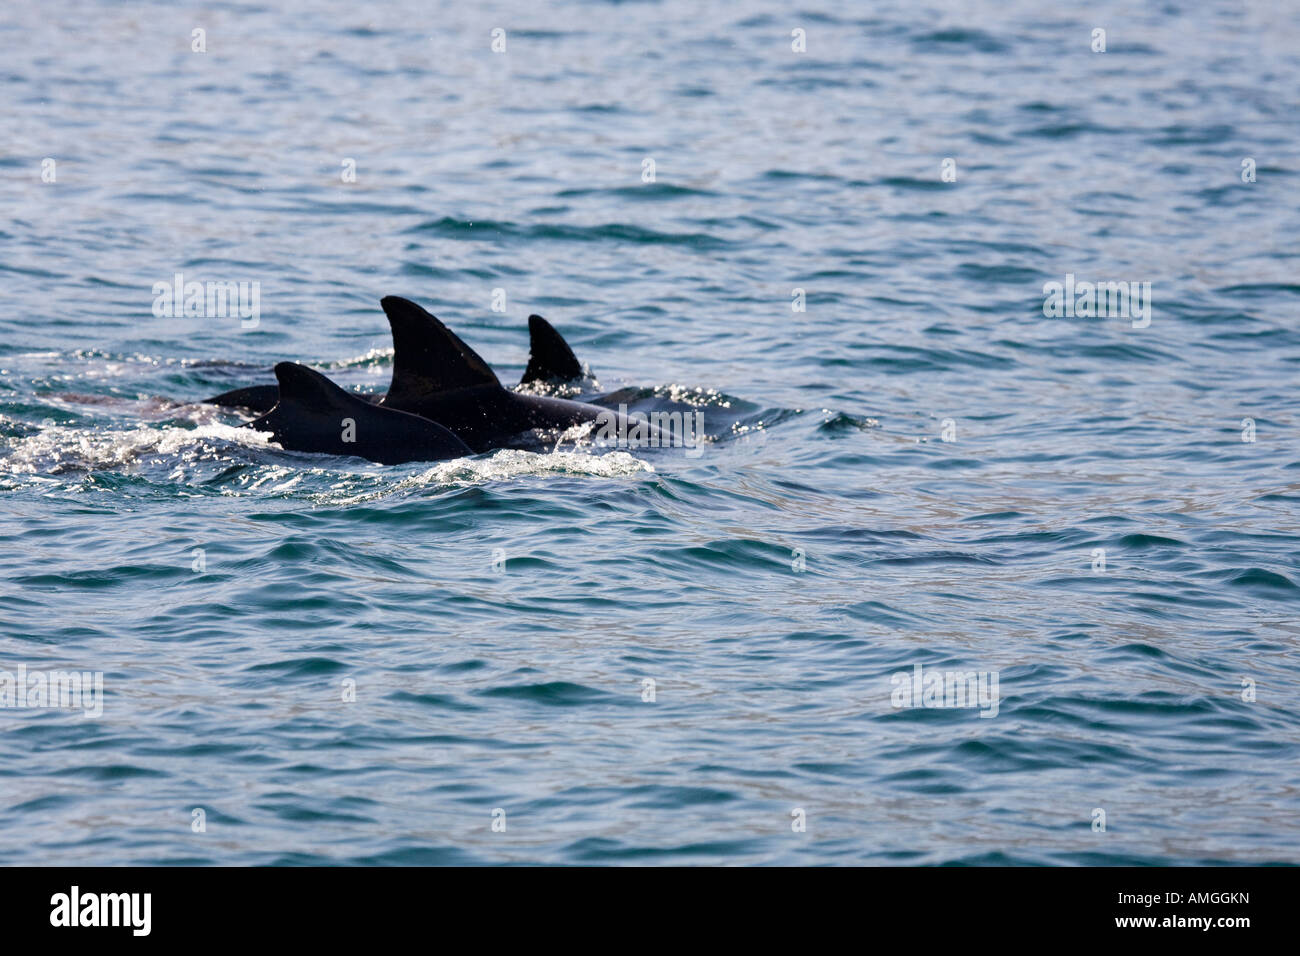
(549, 357)
(439, 377)
(256, 398)
(550, 360)
(313, 414)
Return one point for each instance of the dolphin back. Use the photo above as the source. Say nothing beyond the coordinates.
(315, 415)
(256, 398)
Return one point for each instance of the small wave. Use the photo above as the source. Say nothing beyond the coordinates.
(516, 463)
(1264, 582)
(371, 359)
(489, 230)
(960, 39)
(58, 449)
(570, 390)
(551, 694)
(502, 465)
(839, 423)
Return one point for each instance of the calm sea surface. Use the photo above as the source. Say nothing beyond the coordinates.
(648, 656)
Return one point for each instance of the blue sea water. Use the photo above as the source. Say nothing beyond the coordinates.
(499, 617)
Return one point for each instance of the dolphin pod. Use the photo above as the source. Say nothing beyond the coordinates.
(549, 360)
(444, 400)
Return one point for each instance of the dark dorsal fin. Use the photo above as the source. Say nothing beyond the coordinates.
(549, 356)
(315, 415)
(256, 398)
(301, 386)
(427, 356)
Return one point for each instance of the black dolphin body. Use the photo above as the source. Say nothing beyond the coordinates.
(549, 360)
(312, 414)
(439, 377)
(255, 398)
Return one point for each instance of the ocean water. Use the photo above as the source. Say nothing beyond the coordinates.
(320, 660)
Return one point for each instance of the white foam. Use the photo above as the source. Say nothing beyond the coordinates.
(515, 463)
(60, 448)
(505, 464)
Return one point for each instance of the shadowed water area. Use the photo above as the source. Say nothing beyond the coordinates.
(498, 617)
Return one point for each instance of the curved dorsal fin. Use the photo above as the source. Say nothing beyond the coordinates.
(427, 356)
(303, 386)
(549, 356)
(315, 415)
